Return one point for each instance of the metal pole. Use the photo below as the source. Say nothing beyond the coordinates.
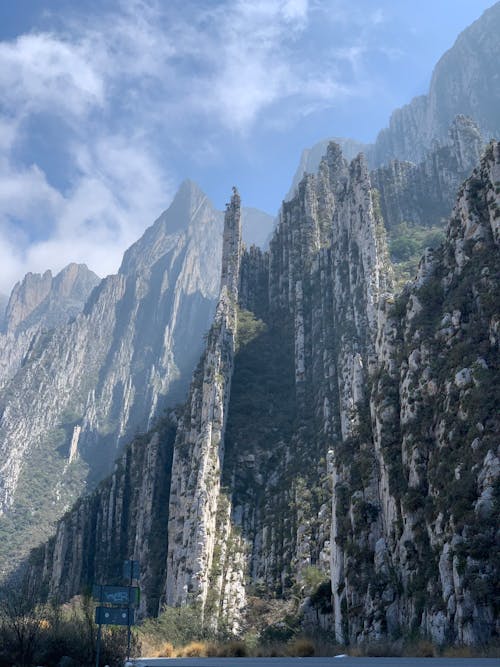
(98, 648)
(128, 611)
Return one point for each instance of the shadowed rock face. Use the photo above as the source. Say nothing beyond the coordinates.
(330, 425)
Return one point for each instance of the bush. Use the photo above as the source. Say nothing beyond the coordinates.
(165, 650)
(194, 650)
(177, 625)
(232, 649)
(301, 648)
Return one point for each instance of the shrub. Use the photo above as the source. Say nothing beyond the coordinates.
(232, 649)
(302, 647)
(194, 650)
(165, 650)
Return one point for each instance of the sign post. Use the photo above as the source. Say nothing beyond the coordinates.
(120, 601)
(130, 572)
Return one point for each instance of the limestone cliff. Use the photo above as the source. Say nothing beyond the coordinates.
(94, 382)
(195, 492)
(161, 502)
(385, 417)
(331, 427)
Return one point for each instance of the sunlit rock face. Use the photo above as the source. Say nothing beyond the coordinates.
(78, 391)
(331, 427)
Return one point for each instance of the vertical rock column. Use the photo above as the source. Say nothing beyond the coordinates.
(359, 278)
(199, 446)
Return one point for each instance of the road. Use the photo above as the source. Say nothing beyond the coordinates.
(332, 661)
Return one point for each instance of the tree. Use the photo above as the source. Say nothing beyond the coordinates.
(22, 621)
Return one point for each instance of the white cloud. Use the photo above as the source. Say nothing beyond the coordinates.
(41, 71)
(125, 85)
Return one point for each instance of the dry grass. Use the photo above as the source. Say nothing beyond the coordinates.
(302, 647)
(422, 648)
(194, 650)
(156, 649)
(165, 650)
(461, 651)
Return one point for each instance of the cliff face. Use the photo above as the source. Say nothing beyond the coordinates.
(195, 492)
(332, 428)
(89, 385)
(424, 194)
(416, 547)
(384, 416)
(162, 502)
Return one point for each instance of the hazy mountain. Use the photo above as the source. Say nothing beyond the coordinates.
(74, 393)
(86, 387)
(38, 304)
(257, 226)
(465, 81)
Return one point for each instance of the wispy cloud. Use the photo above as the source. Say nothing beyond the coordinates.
(129, 87)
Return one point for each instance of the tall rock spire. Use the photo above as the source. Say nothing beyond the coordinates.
(195, 492)
(231, 245)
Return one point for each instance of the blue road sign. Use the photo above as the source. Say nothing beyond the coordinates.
(119, 595)
(114, 616)
(131, 569)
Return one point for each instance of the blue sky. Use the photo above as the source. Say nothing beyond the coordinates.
(106, 106)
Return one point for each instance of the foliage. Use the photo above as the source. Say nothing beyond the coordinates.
(48, 634)
(177, 625)
(249, 328)
(406, 245)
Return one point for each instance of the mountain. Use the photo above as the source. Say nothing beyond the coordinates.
(257, 226)
(82, 375)
(311, 157)
(3, 305)
(336, 459)
(38, 304)
(465, 81)
(332, 428)
(86, 387)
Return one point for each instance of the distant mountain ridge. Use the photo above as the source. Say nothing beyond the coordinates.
(465, 81)
(40, 303)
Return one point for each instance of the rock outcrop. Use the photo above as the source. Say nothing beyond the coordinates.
(195, 491)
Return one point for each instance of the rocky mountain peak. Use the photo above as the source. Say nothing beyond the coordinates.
(44, 298)
(26, 296)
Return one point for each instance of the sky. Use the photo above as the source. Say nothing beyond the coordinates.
(107, 105)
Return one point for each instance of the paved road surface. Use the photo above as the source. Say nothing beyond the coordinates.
(339, 661)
